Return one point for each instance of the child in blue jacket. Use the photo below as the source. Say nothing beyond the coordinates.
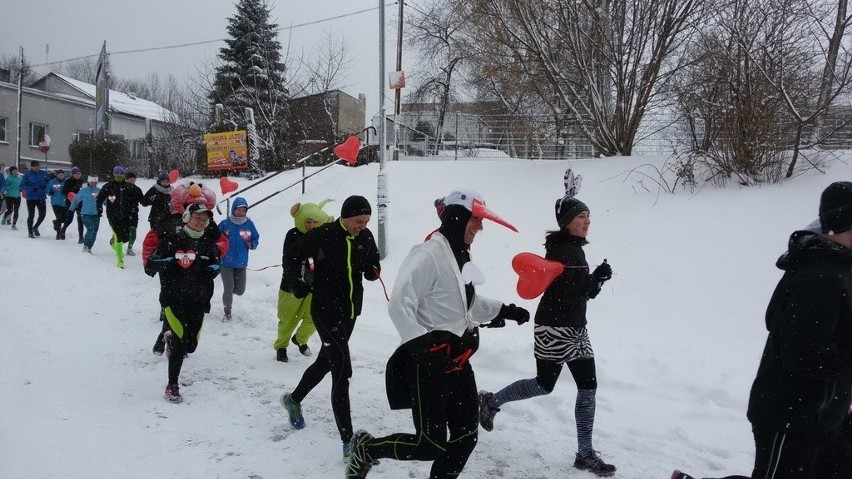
(91, 211)
(242, 237)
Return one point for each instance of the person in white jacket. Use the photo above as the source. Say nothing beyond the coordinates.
(436, 310)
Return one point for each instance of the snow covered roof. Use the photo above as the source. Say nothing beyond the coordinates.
(121, 102)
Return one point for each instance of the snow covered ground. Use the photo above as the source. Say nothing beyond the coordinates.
(677, 333)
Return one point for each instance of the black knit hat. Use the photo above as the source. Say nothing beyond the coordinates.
(835, 207)
(567, 208)
(355, 206)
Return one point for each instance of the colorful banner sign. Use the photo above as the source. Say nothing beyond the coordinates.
(226, 151)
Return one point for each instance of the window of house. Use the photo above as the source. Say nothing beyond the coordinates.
(3, 130)
(81, 136)
(37, 130)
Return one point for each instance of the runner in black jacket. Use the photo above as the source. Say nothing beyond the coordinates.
(801, 395)
(343, 252)
(73, 185)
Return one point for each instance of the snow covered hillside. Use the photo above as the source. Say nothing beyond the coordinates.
(677, 334)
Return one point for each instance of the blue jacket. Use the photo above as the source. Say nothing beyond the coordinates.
(88, 198)
(34, 185)
(54, 190)
(241, 238)
(13, 186)
(2, 184)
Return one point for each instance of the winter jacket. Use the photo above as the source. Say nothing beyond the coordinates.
(87, 200)
(34, 185)
(187, 266)
(340, 262)
(804, 379)
(54, 190)
(241, 238)
(564, 301)
(71, 185)
(429, 294)
(13, 186)
(122, 201)
(294, 269)
(159, 199)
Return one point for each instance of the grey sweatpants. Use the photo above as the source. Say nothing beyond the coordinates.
(234, 282)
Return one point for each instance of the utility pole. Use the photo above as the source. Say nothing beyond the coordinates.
(381, 180)
(20, 98)
(398, 95)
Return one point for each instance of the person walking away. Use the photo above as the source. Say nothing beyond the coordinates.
(158, 197)
(293, 311)
(122, 203)
(800, 397)
(13, 197)
(343, 253)
(134, 216)
(3, 173)
(58, 202)
(34, 188)
(561, 337)
(437, 311)
(242, 237)
(188, 261)
(86, 202)
(73, 185)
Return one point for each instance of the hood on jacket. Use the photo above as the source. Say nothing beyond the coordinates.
(239, 202)
(806, 246)
(304, 211)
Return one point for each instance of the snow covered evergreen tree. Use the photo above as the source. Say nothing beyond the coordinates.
(251, 75)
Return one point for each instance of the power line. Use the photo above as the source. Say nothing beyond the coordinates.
(204, 42)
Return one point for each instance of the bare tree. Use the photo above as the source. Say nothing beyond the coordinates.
(602, 62)
(327, 68)
(435, 31)
(13, 64)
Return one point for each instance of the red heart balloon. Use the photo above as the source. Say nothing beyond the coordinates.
(71, 195)
(534, 273)
(227, 185)
(174, 175)
(348, 150)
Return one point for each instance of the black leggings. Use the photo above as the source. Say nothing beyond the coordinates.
(32, 206)
(12, 206)
(583, 371)
(441, 400)
(185, 321)
(333, 358)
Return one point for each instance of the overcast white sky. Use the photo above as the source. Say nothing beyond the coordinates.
(75, 29)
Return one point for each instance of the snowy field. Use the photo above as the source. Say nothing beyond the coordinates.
(677, 334)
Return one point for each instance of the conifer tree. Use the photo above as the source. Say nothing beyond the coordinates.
(251, 74)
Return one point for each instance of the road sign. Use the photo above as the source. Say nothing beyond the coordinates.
(44, 143)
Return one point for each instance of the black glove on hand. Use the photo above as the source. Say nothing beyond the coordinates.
(301, 289)
(515, 313)
(495, 323)
(603, 272)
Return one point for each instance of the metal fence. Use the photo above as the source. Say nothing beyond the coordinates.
(470, 136)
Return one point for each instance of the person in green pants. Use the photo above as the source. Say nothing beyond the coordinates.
(292, 310)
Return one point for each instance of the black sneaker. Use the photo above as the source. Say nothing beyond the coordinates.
(360, 462)
(680, 475)
(594, 464)
(159, 344)
(486, 412)
(31, 235)
(172, 393)
(294, 410)
(303, 348)
(281, 355)
(35, 232)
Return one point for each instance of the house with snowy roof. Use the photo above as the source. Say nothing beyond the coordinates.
(64, 109)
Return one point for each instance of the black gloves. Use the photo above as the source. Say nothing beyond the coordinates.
(510, 311)
(372, 273)
(157, 265)
(212, 271)
(301, 289)
(603, 272)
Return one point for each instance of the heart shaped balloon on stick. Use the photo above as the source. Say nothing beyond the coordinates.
(174, 175)
(534, 274)
(227, 185)
(348, 150)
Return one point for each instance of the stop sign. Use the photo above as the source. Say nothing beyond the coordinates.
(44, 143)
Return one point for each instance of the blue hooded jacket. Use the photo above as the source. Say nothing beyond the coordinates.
(241, 237)
(34, 185)
(54, 190)
(88, 198)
